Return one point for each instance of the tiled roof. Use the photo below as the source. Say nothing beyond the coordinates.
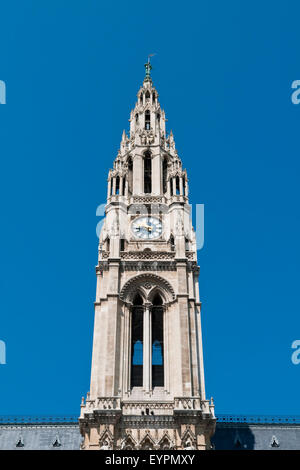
(232, 432)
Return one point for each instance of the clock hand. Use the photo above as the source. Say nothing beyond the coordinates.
(148, 227)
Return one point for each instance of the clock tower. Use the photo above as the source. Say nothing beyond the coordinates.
(147, 378)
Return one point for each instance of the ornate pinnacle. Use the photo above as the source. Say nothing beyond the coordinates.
(148, 68)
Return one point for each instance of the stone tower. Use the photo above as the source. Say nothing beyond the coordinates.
(147, 379)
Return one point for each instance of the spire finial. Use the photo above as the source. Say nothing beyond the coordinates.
(148, 68)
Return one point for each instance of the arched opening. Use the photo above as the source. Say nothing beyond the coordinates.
(164, 171)
(153, 97)
(147, 120)
(172, 243)
(147, 444)
(157, 343)
(183, 185)
(137, 342)
(107, 244)
(177, 186)
(141, 98)
(165, 444)
(147, 172)
(117, 185)
(187, 244)
(147, 96)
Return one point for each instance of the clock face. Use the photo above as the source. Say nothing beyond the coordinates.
(146, 228)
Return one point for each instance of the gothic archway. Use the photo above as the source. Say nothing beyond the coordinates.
(146, 285)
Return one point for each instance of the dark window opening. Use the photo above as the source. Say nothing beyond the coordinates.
(107, 244)
(172, 243)
(56, 443)
(157, 343)
(183, 184)
(187, 244)
(275, 443)
(137, 343)
(153, 98)
(147, 96)
(177, 186)
(130, 173)
(20, 442)
(147, 172)
(158, 117)
(122, 244)
(117, 185)
(165, 168)
(141, 98)
(147, 120)
(136, 118)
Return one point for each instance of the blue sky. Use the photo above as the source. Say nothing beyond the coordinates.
(224, 72)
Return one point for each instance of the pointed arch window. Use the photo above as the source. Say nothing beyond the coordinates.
(117, 185)
(164, 170)
(137, 342)
(147, 357)
(157, 343)
(172, 243)
(147, 120)
(147, 172)
(177, 186)
(130, 173)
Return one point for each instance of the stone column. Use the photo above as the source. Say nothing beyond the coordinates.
(114, 186)
(156, 175)
(180, 186)
(168, 188)
(108, 188)
(174, 185)
(138, 177)
(186, 188)
(121, 186)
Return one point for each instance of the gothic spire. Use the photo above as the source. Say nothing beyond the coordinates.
(148, 68)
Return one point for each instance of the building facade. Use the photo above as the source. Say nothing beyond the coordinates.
(147, 378)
